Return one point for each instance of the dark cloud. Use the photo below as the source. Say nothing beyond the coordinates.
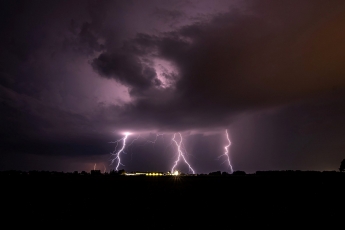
(236, 62)
(172, 17)
(127, 69)
(74, 72)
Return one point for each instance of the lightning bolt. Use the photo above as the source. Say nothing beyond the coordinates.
(115, 154)
(180, 154)
(154, 141)
(134, 140)
(226, 153)
(132, 143)
(94, 167)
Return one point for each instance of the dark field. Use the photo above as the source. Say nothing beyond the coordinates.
(272, 201)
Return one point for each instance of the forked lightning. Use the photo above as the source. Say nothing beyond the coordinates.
(180, 154)
(117, 154)
(226, 153)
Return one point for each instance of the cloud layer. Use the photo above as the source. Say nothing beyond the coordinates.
(77, 72)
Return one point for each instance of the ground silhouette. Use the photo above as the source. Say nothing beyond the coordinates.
(342, 166)
(269, 199)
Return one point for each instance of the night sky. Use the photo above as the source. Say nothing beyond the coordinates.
(76, 75)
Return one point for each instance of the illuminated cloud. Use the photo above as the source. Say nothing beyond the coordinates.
(271, 72)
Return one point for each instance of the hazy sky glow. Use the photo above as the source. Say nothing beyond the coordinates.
(76, 75)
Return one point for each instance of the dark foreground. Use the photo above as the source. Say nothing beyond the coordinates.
(202, 202)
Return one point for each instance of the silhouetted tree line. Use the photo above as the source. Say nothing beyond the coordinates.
(219, 173)
(122, 172)
(342, 166)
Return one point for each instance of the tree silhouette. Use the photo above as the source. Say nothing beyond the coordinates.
(121, 172)
(342, 166)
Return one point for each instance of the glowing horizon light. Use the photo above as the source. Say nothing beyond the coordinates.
(180, 154)
(226, 154)
(176, 173)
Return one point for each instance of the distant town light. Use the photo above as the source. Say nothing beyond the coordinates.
(176, 173)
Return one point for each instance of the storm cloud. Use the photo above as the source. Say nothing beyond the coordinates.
(75, 74)
(236, 62)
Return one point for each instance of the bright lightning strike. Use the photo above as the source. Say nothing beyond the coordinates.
(180, 154)
(154, 141)
(226, 153)
(117, 154)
